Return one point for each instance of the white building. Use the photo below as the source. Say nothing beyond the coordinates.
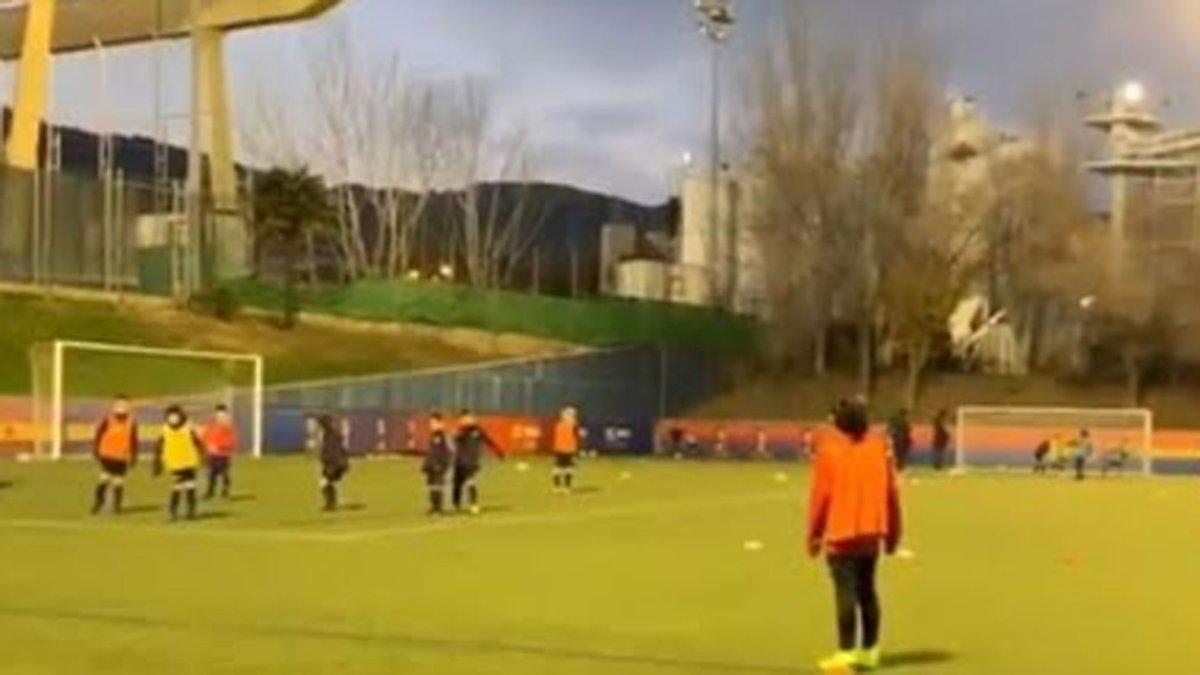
(1152, 176)
(706, 258)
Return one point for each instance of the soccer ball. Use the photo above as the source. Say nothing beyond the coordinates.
(522, 466)
(781, 477)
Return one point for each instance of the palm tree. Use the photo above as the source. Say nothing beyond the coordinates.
(289, 205)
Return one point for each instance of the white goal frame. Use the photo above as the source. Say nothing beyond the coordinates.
(59, 350)
(1145, 414)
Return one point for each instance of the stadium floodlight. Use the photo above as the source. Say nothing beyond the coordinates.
(1008, 435)
(716, 18)
(1133, 92)
(73, 381)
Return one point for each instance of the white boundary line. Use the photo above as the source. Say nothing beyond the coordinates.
(181, 530)
(567, 517)
(463, 524)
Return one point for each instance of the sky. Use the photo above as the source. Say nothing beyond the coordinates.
(613, 93)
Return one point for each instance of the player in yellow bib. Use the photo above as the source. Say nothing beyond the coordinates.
(179, 452)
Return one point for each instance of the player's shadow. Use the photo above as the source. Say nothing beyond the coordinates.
(241, 498)
(917, 658)
(586, 490)
(141, 508)
(212, 515)
(353, 506)
(6, 484)
(463, 513)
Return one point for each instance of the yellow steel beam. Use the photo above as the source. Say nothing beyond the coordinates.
(31, 86)
(118, 22)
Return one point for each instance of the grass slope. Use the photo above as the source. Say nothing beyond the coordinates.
(809, 398)
(648, 575)
(307, 352)
(589, 321)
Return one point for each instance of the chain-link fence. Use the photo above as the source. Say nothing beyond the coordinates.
(99, 230)
(634, 383)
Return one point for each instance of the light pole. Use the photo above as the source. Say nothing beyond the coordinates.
(716, 24)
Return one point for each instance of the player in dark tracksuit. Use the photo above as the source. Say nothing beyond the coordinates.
(469, 444)
(437, 462)
(335, 458)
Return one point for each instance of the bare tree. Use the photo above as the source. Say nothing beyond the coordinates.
(804, 119)
(497, 215)
(895, 188)
(372, 131)
(933, 262)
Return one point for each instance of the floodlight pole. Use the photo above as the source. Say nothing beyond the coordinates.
(716, 23)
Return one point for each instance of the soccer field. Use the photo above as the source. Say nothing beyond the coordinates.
(645, 570)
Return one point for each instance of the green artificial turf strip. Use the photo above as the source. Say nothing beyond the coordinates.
(644, 574)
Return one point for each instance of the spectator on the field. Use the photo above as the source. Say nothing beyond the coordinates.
(900, 433)
(1084, 449)
(675, 442)
(721, 444)
(941, 438)
(762, 444)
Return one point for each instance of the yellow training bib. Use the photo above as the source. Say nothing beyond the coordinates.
(179, 449)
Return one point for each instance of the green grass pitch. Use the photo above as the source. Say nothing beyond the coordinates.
(643, 571)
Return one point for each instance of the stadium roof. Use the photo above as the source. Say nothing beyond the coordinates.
(79, 24)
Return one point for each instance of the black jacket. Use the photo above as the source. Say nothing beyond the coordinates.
(469, 445)
(437, 459)
(333, 449)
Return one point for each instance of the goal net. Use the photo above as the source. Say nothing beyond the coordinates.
(73, 385)
(1009, 436)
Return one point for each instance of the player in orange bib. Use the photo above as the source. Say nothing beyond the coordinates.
(115, 448)
(220, 438)
(854, 512)
(566, 448)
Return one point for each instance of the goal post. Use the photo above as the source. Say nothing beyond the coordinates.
(73, 381)
(1008, 435)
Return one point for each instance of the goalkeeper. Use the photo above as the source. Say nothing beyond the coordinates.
(179, 451)
(115, 448)
(1115, 459)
